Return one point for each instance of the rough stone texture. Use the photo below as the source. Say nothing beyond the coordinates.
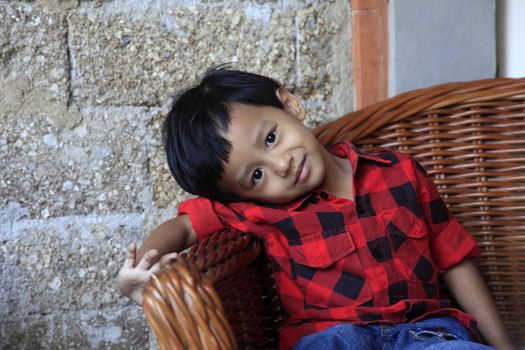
(84, 88)
(143, 49)
(65, 270)
(97, 166)
(144, 57)
(34, 67)
(84, 255)
(108, 328)
(323, 81)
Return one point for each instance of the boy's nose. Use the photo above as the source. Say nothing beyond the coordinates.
(283, 164)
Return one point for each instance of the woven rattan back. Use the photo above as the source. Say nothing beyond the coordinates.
(471, 138)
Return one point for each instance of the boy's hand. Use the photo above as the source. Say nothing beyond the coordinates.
(133, 278)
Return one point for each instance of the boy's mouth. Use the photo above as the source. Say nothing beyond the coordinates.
(302, 171)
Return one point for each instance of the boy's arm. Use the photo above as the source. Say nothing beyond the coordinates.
(165, 241)
(173, 235)
(470, 291)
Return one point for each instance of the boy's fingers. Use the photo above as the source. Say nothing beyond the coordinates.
(130, 257)
(132, 248)
(155, 268)
(147, 260)
(166, 259)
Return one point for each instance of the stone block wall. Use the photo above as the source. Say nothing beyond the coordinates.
(84, 86)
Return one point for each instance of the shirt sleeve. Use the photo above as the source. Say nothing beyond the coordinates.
(203, 216)
(450, 242)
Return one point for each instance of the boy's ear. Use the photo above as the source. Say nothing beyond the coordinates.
(291, 103)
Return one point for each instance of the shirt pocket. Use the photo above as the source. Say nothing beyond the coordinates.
(410, 241)
(326, 266)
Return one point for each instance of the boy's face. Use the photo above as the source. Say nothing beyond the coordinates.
(274, 157)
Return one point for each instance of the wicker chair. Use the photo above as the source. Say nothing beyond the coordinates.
(469, 136)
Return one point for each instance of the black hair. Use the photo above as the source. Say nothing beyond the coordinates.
(196, 149)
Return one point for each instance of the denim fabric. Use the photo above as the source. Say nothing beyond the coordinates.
(440, 333)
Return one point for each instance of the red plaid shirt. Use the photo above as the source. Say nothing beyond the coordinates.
(372, 260)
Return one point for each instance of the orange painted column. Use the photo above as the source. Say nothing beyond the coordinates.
(369, 51)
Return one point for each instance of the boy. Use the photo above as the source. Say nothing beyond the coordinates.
(357, 240)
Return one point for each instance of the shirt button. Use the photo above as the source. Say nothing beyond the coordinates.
(324, 195)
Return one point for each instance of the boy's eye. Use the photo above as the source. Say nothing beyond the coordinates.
(270, 139)
(257, 175)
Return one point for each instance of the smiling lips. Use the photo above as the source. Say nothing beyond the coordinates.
(302, 171)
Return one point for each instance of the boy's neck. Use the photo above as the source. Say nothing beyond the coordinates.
(339, 177)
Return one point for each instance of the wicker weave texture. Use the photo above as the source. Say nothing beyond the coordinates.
(185, 313)
(469, 136)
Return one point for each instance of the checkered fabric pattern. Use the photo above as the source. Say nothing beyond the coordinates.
(372, 260)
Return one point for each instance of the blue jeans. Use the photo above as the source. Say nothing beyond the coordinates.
(439, 333)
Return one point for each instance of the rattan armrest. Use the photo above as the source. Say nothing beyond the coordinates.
(183, 304)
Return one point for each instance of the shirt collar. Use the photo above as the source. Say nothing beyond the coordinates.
(352, 153)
